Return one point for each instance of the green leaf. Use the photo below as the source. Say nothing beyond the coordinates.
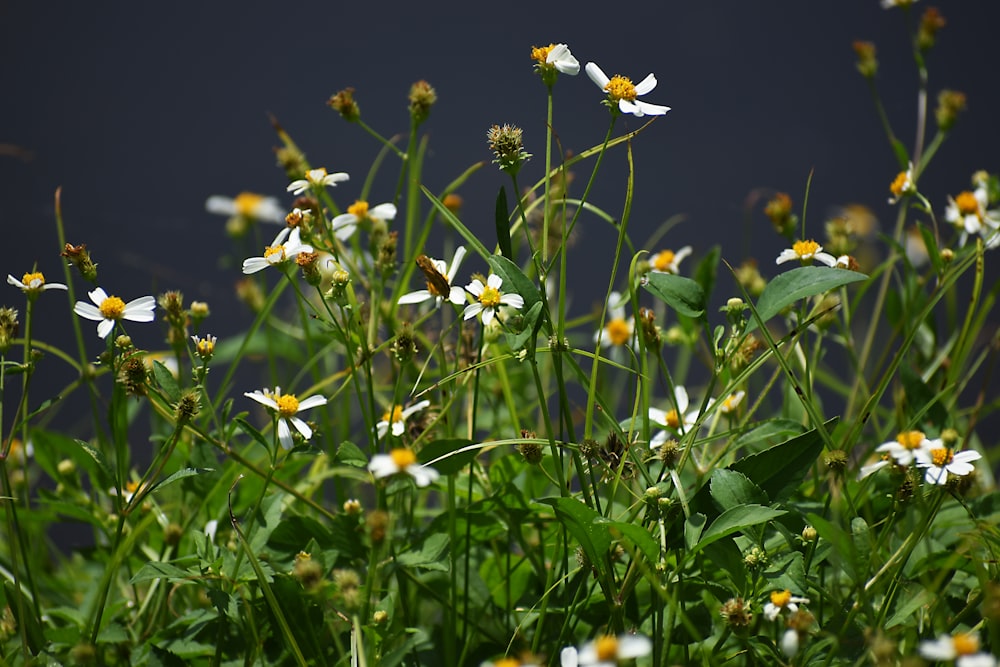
(736, 520)
(503, 225)
(350, 454)
(682, 294)
(861, 539)
(594, 539)
(731, 489)
(707, 271)
(453, 460)
(431, 555)
(902, 155)
(528, 326)
(167, 381)
(179, 475)
(634, 533)
(779, 469)
(506, 586)
(800, 283)
(693, 528)
(247, 428)
(515, 281)
(161, 570)
(843, 546)
(918, 396)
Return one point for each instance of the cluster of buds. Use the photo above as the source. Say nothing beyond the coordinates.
(950, 104)
(343, 103)
(867, 63)
(930, 23)
(779, 211)
(80, 258)
(176, 317)
(507, 144)
(8, 328)
(422, 98)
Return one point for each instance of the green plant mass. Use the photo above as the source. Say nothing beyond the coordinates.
(439, 440)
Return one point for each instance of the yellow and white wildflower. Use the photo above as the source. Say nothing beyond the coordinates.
(902, 185)
(107, 310)
(939, 461)
(805, 252)
(317, 178)
(556, 56)
(678, 419)
(287, 407)
(286, 245)
(967, 212)
(963, 648)
(782, 600)
(346, 223)
(606, 651)
(402, 460)
(395, 418)
(668, 261)
(247, 205)
(489, 298)
(617, 331)
(623, 93)
(905, 447)
(33, 283)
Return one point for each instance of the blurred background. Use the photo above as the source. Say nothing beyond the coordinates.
(141, 112)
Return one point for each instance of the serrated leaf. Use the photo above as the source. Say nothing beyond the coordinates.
(161, 570)
(682, 294)
(579, 521)
(167, 382)
(800, 283)
(179, 475)
(351, 455)
(778, 470)
(731, 488)
(431, 555)
(735, 520)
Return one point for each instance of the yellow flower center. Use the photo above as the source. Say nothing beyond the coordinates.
(490, 298)
(606, 648)
(621, 88)
(403, 458)
(673, 419)
(910, 439)
(781, 598)
(509, 662)
(272, 250)
(942, 456)
(540, 54)
(288, 405)
(30, 278)
(730, 402)
(131, 487)
(112, 308)
(965, 644)
(246, 203)
(805, 249)
(618, 331)
(358, 209)
(967, 203)
(899, 184)
(394, 415)
(206, 347)
(663, 260)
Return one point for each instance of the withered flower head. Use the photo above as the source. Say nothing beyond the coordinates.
(422, 98)
(343, 103)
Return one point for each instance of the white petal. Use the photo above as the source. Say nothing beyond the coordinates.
(382, 465)
(301, 427)
(488, 315)
(471, 311)
(494, 281)
(568, 657)
(262, 399)
(415, 408)
(422, 475)
(343, 219)
(630, 108)
(105, 327)
(87, 311)
(512, 300)
(681, 396)
(456, 296)
(475, 288)
(312, 402)
(419, 296)
(826, 258)
(651, 109)
(345, 232)
(98, 296)
(284, 434)
(11, 280)
(597, 75)
(140, 310)
(381, 428)
(398, 427)
(220, 205)
(787, 255)
(254, 264)
(383, 212)
(633, 646)
(298, 187)
(455, 262)
(646, 85)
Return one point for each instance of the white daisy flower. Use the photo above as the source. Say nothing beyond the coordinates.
(402, 460)
(110, 309)
(489, 298)
(903, 185)
(249, 205)
(557, 56)
(344, 224)
(396, 418)
(962, 648)
(287, 407)
(940, 460)
(279, 251)
(440, 281)
(732, 402)
(782, 600)
(33, 283)
(668, 261)
(617, 330)
(608, 651)
(967, 212)
(805, 252)
(316, 178)
(623, 93)
(676, 418)
(904, 448)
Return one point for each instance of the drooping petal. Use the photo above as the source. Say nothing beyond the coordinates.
(105, 327)
(597, 75)
(419, 296)
(87, 311)
(646, 85)
(301, 427)
(255, 264)
(382, 465)
(312, 402)
(284, 434)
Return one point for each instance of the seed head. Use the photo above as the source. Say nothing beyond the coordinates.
(422, 98)
(343, 103)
